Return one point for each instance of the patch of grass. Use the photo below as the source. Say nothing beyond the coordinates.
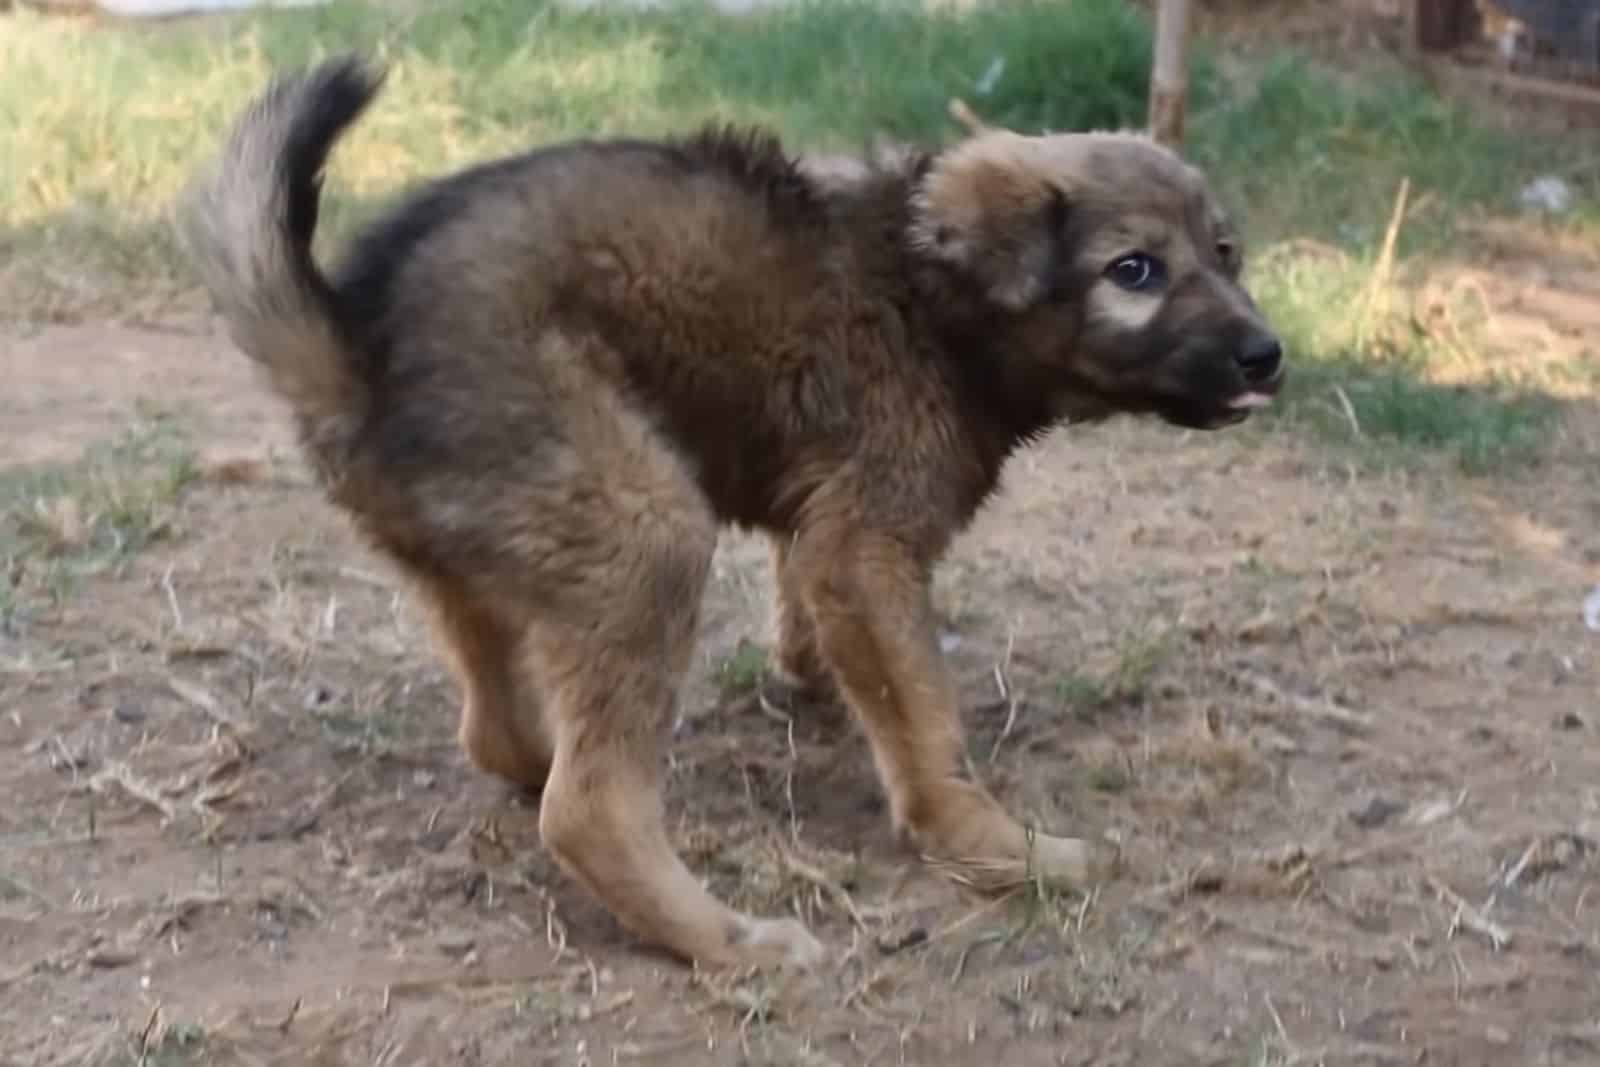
(62, 522)
(180, 1043)
(1127, 679)
(741, 671)
(100, 125)
(1307, 153)
(1484, 429)
(1364, 374)
(1304, 150)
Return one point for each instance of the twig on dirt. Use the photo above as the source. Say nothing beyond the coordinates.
(70, 761)
(724, 991)
(1551, 852)
(25, 665)
(1468, 917)
(594, 977)
(202, 700)
(821, 880)
(628, 1050)
(1523, 863)
(120, 774)
(18, 974)
(555, 931)
(457, 980)
(1005, 731)
(144, 1035)
(172, 599)
(1283, 1031)
(1083, 909)
(1008, 696)
(978, 942)
(987, 908)
(1324, 950)
(788, 784)
(1325, 708)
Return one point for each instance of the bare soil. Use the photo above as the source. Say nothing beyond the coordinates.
(1345, 717)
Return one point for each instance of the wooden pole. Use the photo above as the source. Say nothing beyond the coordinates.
(1169, 76)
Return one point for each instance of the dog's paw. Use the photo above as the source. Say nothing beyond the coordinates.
(1073, 863)
(777, 943)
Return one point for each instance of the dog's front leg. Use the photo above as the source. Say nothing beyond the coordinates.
(869, 599)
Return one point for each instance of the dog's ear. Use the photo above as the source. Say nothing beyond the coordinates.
(988, 207)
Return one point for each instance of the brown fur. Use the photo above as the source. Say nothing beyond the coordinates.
(543, 385)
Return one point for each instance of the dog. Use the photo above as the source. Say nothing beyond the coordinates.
(543, 385)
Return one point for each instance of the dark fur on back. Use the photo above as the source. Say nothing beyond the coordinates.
(755, 159)
(752, 158)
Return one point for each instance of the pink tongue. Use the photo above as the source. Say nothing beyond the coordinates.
(1250, 400)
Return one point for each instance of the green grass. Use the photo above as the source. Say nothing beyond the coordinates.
(1365, 375)
(61, 522)
(741, 671)
(1138, 658)
(100, 125)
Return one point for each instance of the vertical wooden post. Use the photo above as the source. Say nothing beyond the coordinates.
(1440, 25)
(1169, 75)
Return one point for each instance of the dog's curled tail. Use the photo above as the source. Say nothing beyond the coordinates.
(247, 224)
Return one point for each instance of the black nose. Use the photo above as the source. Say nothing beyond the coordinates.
(1260, 358)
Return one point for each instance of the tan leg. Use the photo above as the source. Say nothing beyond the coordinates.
(602, 814)
(798, 662)
(798, 680)
(876, 627)
(502, 729)
(604, 550)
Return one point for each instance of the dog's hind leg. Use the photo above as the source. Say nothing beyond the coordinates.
(798, 676)
(502, 729)
(604, 544)
(602, 813)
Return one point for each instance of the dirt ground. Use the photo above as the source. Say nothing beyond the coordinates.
(1343, 715)
(1345, 718)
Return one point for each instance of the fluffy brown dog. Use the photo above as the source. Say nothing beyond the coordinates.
(541, 386)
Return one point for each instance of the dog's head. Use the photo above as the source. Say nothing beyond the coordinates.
(1106, 272)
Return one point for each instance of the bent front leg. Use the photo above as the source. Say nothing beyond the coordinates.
(876, 629)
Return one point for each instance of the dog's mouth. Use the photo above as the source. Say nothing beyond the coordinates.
(1228, 413)
(1251, 401)
(1215, 409)
(1257, 396)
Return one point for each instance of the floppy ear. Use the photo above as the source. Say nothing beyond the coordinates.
(988, 208)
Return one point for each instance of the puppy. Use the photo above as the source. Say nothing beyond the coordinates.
(542, 385)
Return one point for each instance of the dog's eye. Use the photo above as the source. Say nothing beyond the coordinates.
(1226, 250)
(1136, 273)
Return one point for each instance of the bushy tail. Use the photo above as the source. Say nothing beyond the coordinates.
(247, 224)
